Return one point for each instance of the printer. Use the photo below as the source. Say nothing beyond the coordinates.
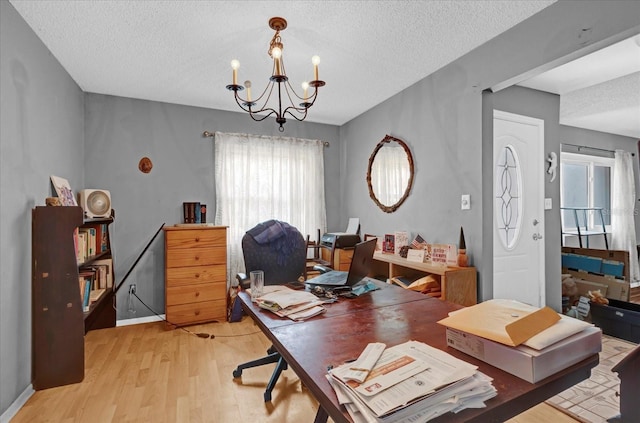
(339, 240)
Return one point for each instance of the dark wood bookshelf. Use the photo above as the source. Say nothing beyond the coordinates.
(58, 320)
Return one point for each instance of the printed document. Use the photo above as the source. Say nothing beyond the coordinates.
(403, 374)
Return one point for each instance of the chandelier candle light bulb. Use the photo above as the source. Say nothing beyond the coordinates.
(277, 54)
(305, 88)
(316, 61)
(247, 85)
(235, 65)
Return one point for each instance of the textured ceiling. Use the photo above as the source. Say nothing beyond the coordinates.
(179, 51)
(599, 91)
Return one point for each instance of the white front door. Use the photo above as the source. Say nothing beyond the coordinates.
(518, 224)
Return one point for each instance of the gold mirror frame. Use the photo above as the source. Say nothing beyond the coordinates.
(390, 209)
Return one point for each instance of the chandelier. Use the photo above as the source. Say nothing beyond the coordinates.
(279, 81)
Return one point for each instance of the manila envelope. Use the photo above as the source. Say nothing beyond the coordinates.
(506, 321)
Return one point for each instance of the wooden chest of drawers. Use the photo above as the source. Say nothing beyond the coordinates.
(195, 274)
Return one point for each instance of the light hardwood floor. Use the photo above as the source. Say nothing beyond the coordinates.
(143, 373)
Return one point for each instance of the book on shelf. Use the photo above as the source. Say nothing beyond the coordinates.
(103, 271)
(106, 266)
(81, 250)
(198, 212)
(95, 295)
(203, 213)
(192, 211)
(89, 239)
(98, 232)
(88, 277)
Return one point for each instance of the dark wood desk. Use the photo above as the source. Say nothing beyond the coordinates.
(348, 326)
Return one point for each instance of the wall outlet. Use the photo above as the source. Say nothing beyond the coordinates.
(132, 288)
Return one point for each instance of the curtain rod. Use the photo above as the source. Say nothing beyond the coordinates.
(211, 135)
(579, 147)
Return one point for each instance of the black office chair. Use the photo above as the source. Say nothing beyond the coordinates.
(280, 251)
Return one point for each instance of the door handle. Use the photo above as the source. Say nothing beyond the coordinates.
(535, 222)
(537, 237)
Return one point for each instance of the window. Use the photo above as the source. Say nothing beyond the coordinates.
(260, 178)
(585, 182)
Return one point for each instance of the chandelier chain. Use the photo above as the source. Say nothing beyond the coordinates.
(275, 42)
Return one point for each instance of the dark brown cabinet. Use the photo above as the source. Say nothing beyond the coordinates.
(58, 320)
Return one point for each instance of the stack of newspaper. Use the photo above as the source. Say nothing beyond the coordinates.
(410, 382)
(286, 302)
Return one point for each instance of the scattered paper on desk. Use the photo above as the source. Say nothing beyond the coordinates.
(294, 309)
(295, 304)
(359, 369)
(390, 374)
(368, 357)
(286, 297)
(448, 384)
(306, 313)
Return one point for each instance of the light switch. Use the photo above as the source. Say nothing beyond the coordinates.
(465, 202)
(547, 204)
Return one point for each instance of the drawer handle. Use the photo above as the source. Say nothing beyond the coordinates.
(197, 239)
(197, 258)
(197, 312)
(197, 275)
(197, 294)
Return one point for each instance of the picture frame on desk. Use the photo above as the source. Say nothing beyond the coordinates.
(401, 239)
(63, 190)
(417, 255)
(378, 239)
(388, 245)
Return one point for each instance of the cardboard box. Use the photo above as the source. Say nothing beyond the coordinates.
(617, 289)
(527, 363)
(585, 286)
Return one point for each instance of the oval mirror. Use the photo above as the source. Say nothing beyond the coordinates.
(390, 173)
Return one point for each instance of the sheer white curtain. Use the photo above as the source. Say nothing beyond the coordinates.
(260, 178)
(623, 198)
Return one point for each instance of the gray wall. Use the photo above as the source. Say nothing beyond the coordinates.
(42, 125)
(120, 131)
(441, 118)
(41, 134)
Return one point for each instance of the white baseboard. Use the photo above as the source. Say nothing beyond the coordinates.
(139, 320)
(17, 404)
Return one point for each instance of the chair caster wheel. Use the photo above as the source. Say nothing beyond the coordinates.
(237, 373)
(267, 397)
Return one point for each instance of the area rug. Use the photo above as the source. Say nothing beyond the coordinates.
(596, 399)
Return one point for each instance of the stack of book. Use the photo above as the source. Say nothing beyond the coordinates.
(90, 241)
(94, 281)
(194, 212)
(407, 383)
(286, 302)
